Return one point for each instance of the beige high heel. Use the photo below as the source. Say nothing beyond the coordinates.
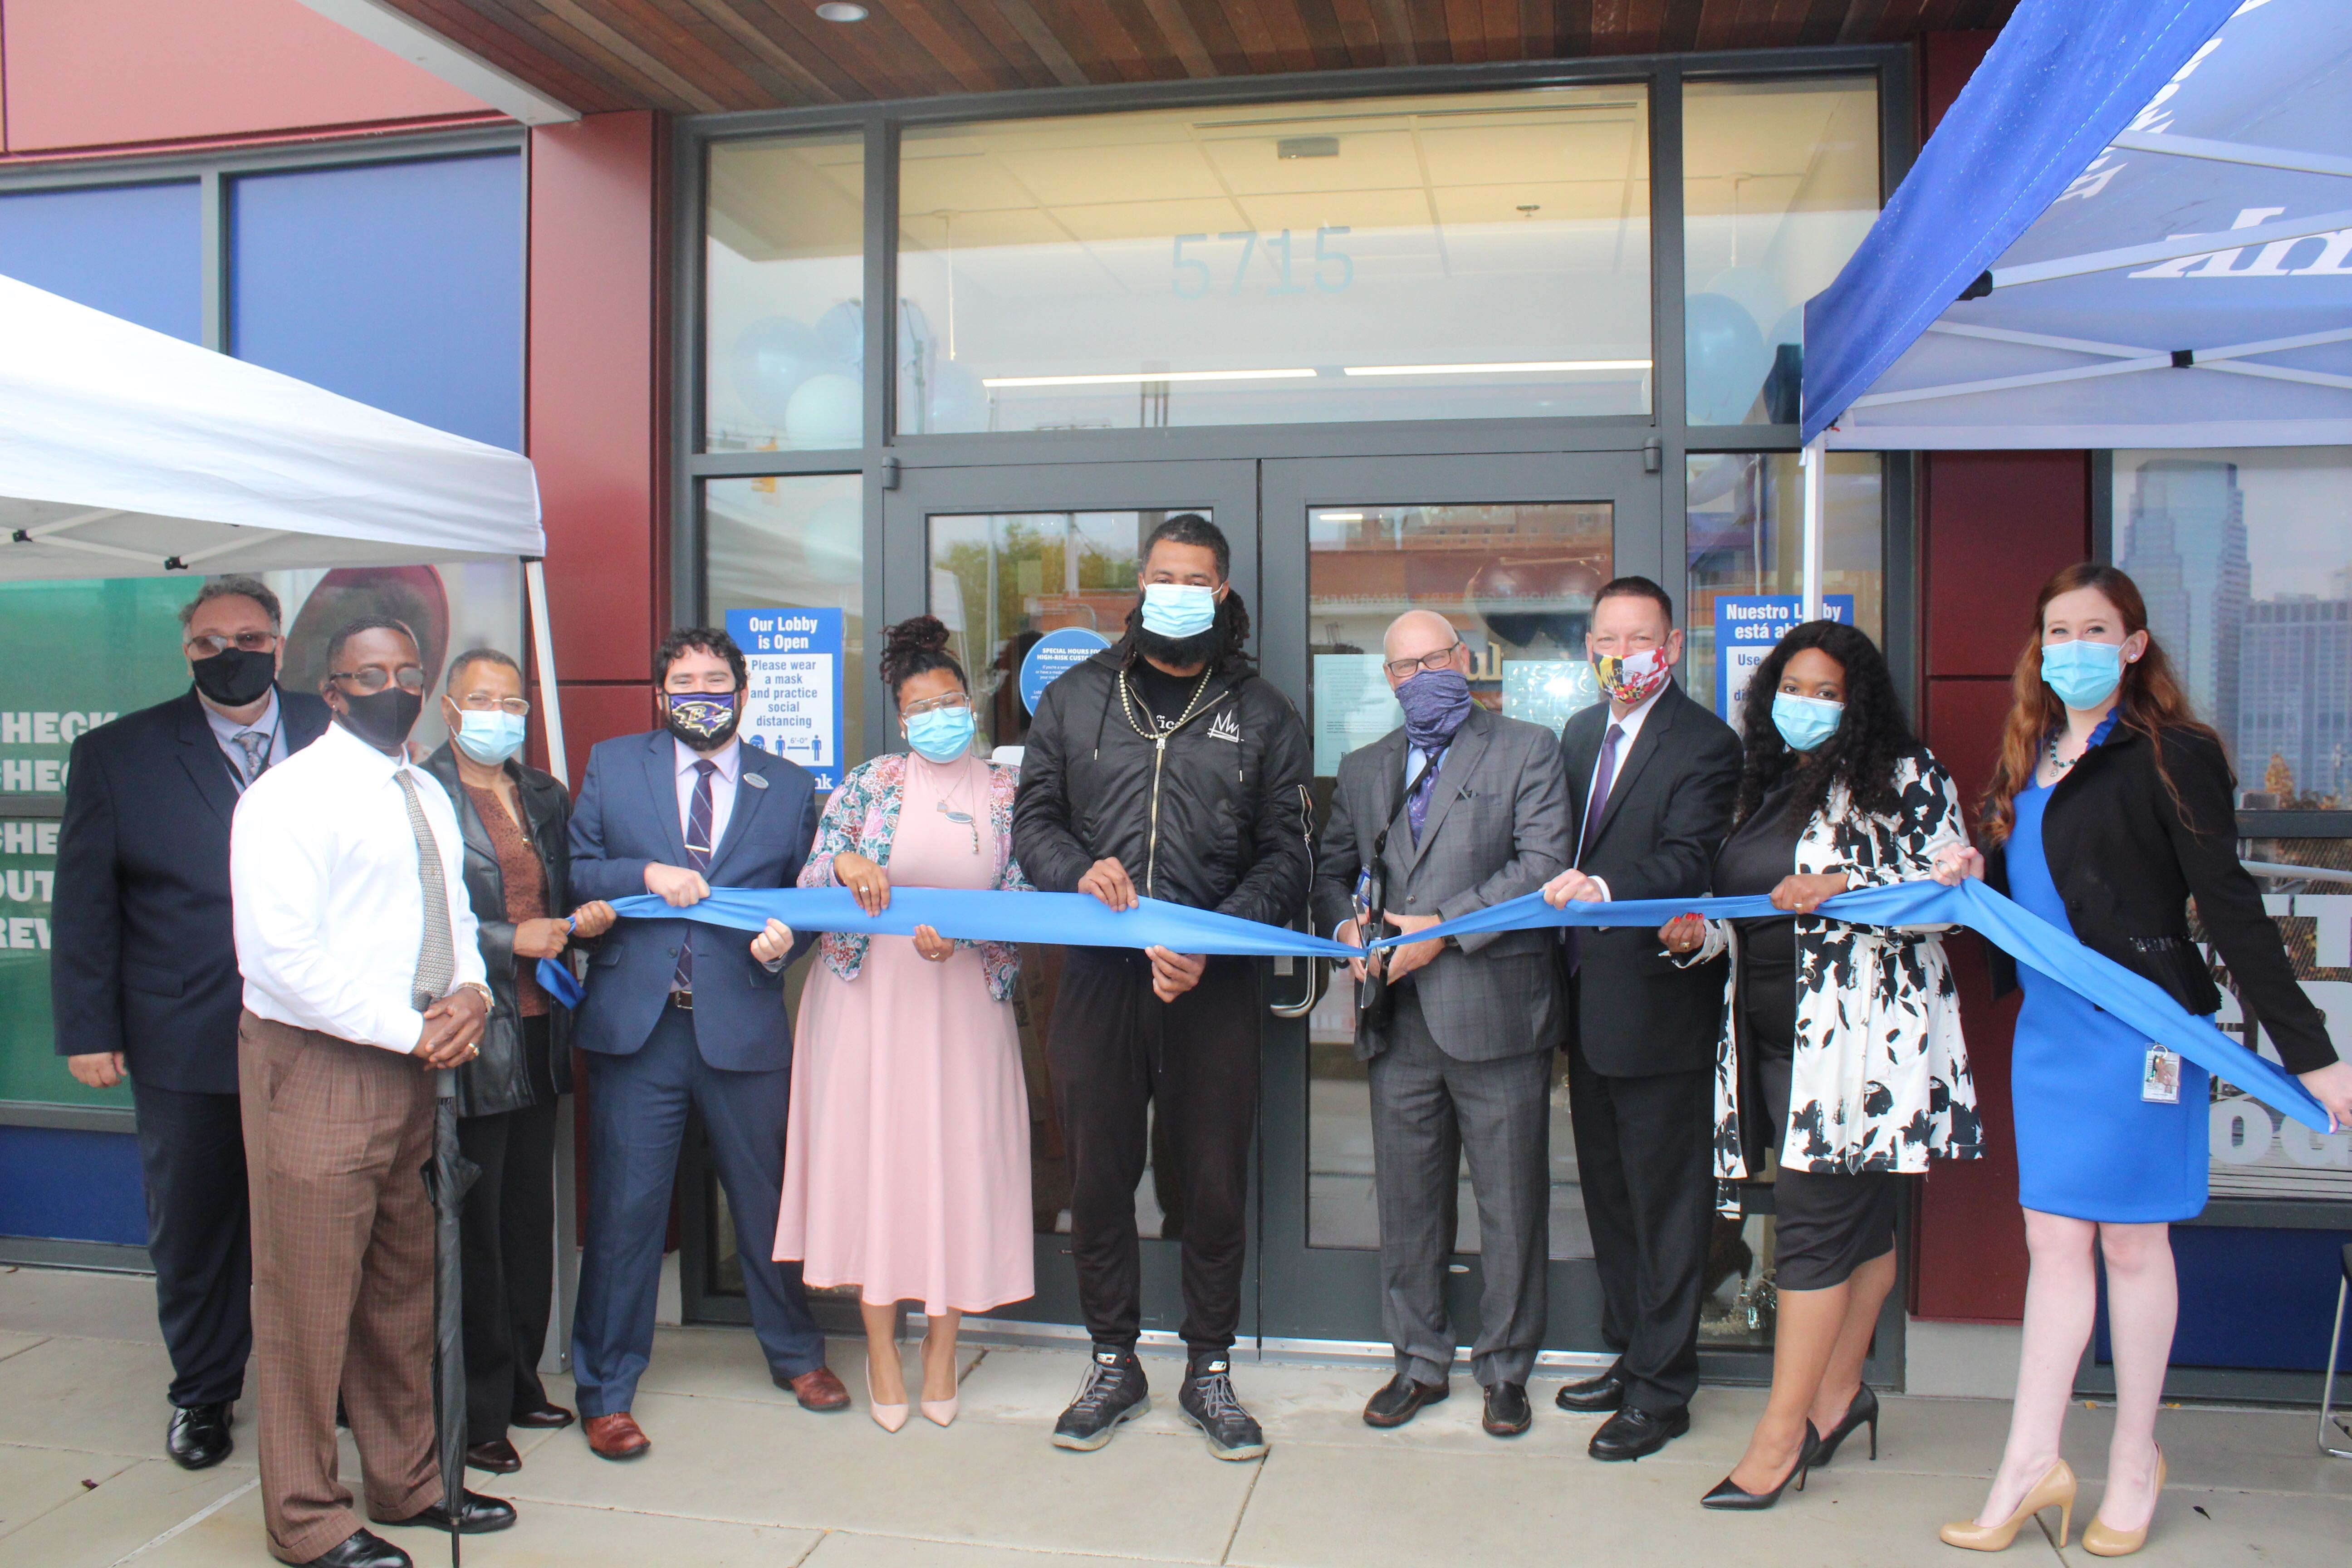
(2103, 1540)
(940, 1412)
(890, 1418)
(2054, 1489)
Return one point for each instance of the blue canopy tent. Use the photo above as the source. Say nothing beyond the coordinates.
(2126, 191)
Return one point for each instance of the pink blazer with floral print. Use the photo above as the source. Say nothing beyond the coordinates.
(863, 817)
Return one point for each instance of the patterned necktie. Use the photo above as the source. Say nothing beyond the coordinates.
(436, 956)
(699, 849)
(255, 745)
(1604, 775)
(1416, 800)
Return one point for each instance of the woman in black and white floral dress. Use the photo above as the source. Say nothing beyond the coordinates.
(1841, 1047)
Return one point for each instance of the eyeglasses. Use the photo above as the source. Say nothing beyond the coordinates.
(482, 702)
(373, 678)
(207, 645)
(937, 704)
(1406, 668)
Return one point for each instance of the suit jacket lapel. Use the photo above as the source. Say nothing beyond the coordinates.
(1461, 759)
(749, 798)
(1646, 746)
(661, 780)
(208, 764)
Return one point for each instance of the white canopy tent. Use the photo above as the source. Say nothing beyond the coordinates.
(2133, 230)
(127, 453)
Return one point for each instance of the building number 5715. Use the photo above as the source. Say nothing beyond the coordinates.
(1334, 268)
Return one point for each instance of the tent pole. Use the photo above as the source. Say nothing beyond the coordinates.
(557, 1357)
(1814, 460)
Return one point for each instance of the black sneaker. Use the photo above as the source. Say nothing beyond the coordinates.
(1206, 1401)
(1114, 1391)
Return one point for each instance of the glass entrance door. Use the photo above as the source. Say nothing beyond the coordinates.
(1511, 550)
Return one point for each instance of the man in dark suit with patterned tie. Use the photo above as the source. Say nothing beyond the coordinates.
(682, 1016)
(144, 980)
(1650, 777)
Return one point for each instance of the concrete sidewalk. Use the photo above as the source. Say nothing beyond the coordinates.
(740, 1475)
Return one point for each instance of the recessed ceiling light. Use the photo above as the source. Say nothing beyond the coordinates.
(841, 11)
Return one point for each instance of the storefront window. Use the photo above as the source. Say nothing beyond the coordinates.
(1518, 581)
(1470, 256)
(797, 542)
(785, 343)
(2246, 565)
(1780, 181)
(1745, 540)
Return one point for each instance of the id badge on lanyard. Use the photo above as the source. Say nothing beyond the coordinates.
(2160, 1080)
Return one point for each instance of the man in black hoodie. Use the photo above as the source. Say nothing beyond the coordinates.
(1164, 767)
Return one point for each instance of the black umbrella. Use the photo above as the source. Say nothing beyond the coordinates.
(449, 1177)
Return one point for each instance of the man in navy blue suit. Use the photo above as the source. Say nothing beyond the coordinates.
(144, 980)
(680, 1014)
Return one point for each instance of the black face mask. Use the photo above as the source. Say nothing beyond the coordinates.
(705, 721)
(384, 719)
(233, 677)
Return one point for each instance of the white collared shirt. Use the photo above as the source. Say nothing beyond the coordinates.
(225, 731)
(729, 759)
(329, 912)
(1630, 728)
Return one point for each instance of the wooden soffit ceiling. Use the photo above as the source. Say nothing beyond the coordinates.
(702, 56)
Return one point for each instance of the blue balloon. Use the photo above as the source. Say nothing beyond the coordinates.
(1725, 358)
(769, 360)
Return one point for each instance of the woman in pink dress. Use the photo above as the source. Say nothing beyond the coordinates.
(907, 1150)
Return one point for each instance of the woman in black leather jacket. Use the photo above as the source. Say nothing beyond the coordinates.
(516, 822)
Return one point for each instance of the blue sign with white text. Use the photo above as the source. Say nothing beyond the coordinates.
(792, 703)
(1746, 627)
(1052, 655)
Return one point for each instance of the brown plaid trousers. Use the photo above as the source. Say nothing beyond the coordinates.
(337, 1135)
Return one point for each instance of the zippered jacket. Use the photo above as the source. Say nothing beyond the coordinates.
(1217, 814)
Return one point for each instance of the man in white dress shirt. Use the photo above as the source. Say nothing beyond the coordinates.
(362, 976)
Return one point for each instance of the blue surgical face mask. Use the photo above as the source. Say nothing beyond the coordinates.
(2081, 673)
(490, 738)
(1805, 721)
(1179, 609)
(942, 735)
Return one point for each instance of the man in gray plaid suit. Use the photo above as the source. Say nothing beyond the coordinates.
(1463, 809)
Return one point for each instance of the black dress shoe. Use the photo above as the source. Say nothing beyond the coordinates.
(546, 1418)
(498, 1456)
(1507, 1414)
(1401, 1399)
(478, 1515)
(1594, 1395)
(361, 1548)
(198, 1435)
(1727, 1494)
(1634, 1432)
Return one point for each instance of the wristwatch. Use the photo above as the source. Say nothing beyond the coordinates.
(489, 999)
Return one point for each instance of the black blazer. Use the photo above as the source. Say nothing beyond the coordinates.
(2128, 862)
(1631, 1010)
(499, 1078)
(145, 960)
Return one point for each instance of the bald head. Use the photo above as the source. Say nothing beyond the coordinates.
(1414, 635)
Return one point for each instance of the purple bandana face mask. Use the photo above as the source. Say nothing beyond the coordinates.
(1435, 701)
(703, 722)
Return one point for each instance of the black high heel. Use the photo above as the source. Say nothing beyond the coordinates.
(1861, 1412)
(1726, 1495)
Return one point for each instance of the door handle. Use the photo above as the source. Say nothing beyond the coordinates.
(1318, 979)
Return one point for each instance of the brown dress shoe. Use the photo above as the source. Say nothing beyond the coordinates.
(819, 1390)
(498, 1456)
(616, 1437)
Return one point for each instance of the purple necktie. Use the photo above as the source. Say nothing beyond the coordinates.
(1416, 800)
(697, 849)
(1604, 776)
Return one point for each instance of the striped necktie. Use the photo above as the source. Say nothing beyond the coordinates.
(436, 956)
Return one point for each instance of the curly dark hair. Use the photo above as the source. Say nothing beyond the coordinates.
(1873, 735)
(916, 646)
(698, 639)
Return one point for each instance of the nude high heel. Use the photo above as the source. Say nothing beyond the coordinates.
(2055, 1489)
(940, 1412)
(890, 1418)
(2102, 1540)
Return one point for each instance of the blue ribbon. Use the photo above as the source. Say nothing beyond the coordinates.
(1078, 919)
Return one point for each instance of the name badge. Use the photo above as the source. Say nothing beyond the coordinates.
(757, 781)
(2159, 1081)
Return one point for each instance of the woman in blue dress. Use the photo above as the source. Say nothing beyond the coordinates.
(2110, 808)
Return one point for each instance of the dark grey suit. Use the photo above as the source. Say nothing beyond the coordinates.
(1465, 1065)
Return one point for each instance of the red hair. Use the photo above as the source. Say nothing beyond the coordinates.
(2149, 699)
